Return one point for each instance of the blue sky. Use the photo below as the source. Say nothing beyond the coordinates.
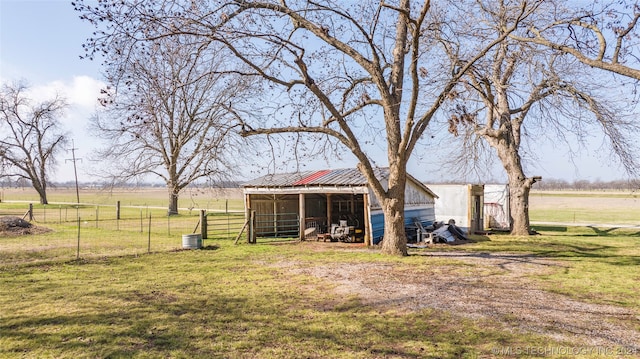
(40, 42)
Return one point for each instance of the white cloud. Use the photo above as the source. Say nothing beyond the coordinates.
(85, 91)
(81, 93)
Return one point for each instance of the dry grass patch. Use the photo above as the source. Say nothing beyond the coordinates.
(496, 288)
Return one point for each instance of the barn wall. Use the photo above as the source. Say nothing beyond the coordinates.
(456, 202)
(413, 196)
(452, 203)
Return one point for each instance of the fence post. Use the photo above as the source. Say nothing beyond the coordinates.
(247, 217)
(78, 248)
(30, 212)
(149, 238)
(118, 210)
(203, 223)
(252, 227)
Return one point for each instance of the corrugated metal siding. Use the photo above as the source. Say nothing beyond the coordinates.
(426, 216)
(377, 227)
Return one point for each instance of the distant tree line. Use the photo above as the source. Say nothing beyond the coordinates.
(586, 185)
(554, 184)
(22, 183)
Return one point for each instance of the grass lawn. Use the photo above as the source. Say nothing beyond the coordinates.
(238, 301)
(268, 301)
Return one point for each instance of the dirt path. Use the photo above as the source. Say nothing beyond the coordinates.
(496, 288)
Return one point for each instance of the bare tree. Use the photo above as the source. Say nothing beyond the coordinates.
(519, 95)
(31, 136)
(603, 34)
(166, 114)
(360, 73)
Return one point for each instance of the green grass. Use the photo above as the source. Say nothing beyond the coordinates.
(235, 301)
(585, 207)
(221, 302)
(582, 215)
(597, 264)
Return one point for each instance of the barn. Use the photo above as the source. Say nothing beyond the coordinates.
(322, 204)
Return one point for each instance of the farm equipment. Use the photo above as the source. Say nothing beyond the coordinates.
(342, 232)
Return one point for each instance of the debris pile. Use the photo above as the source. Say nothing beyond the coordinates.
(448, 233)
(16, 226)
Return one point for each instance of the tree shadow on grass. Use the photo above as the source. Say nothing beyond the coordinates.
(597, 231)
(554, 246)
(548, 228)
(609, 231)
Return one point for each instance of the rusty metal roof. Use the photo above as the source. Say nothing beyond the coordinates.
(348, 177)
(337, 177)
(311, 178)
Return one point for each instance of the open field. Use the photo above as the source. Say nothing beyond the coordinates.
(585, 207)
(200, 198)
(545, 206)
(569, 292)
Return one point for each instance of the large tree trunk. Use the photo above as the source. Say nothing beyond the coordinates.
(43, 198)
(173, 201)
(395, 240)
(519, 204)
(519, 188)
(42, 191)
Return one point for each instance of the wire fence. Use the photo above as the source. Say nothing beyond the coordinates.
(106, 230)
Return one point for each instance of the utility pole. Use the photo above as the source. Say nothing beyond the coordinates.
(75, 170)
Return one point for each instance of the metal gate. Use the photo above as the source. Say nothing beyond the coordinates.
(278, 225)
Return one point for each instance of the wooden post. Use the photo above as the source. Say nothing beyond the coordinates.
(118, 210)
(251, 233)
(367, 220)
(328, 212)
(203, 223)
(302, 215)
(247, 216)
